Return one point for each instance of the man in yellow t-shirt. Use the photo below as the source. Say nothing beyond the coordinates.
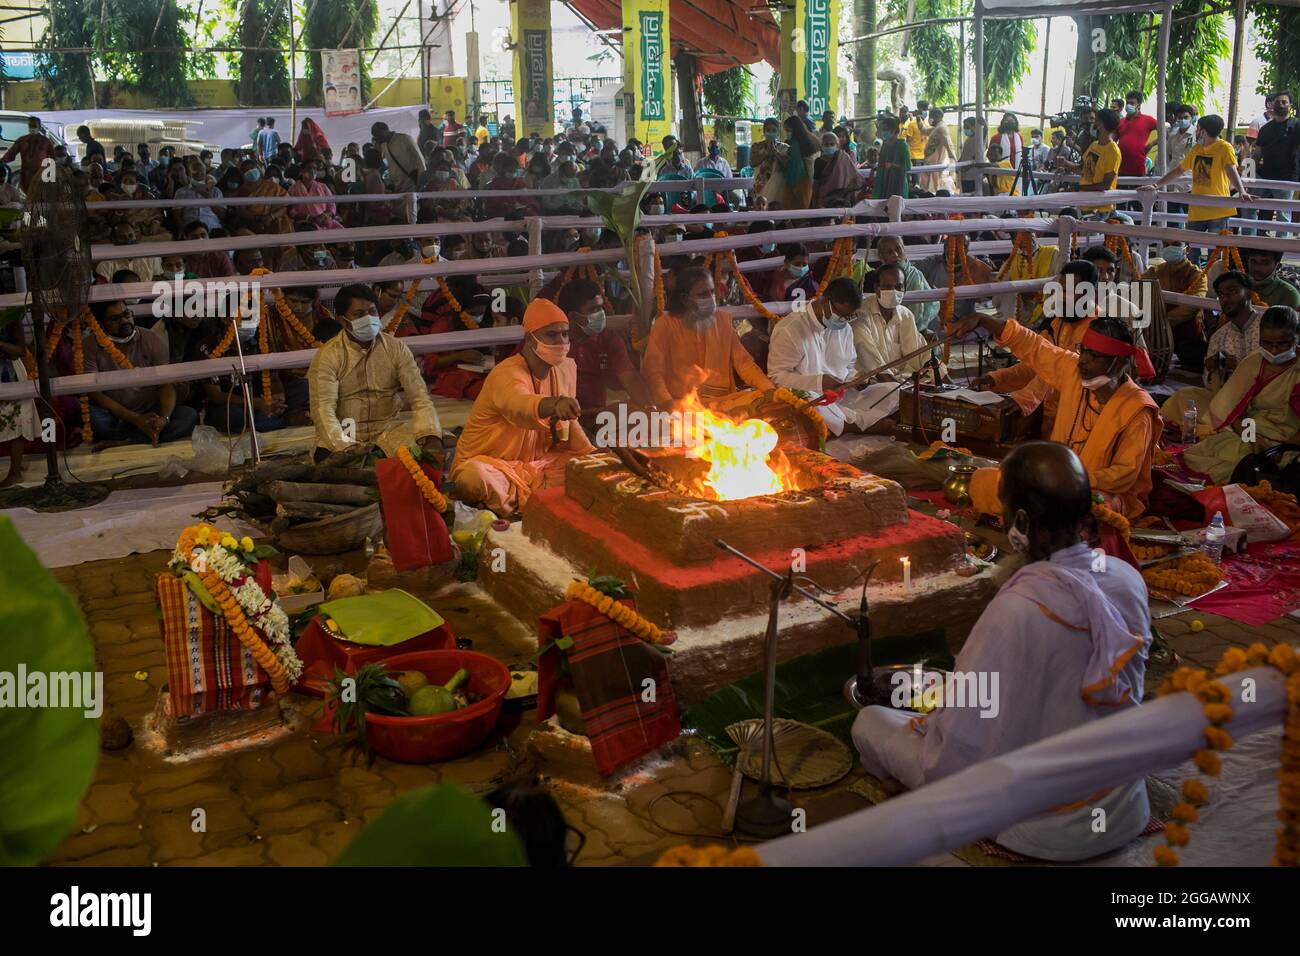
(481, 134)
(1099, 168)
(912, 132)
(1213, 164)
(1001, 185)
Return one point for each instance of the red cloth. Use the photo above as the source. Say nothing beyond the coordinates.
(1263, 584)
(321, 653)
(609, 666)
(1132, 136)
(416, 534)
(208, 669)
(310, 141)
(1105, 345)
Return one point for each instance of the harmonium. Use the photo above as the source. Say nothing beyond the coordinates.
(999, 423)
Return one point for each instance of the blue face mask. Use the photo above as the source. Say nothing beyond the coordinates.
(715, 152)
(1130, 109)
(1172, 254)
(1184, 125)
(830, 150)
(365, 328)
(253, 175)
(796, 272)
(836, 323)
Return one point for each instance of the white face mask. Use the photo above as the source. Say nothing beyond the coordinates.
(130, 188)
(365, 328)
(889, 298)
(550, 354)
(124, 339)
(1281, 358)
(430, 251)
(596, 322)
(702, 309)
(1018, 539)
(1099, 381)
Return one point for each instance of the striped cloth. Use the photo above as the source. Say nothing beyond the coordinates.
(207, 668)
(609, 667)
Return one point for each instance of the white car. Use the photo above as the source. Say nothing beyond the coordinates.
(14, 125)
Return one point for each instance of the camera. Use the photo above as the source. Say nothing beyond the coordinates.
(1072, 122)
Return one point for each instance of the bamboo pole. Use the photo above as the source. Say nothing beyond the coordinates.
(1042, 105)
(1238, 43)
(979, 91)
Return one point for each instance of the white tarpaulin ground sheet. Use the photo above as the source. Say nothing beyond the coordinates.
(126, 522)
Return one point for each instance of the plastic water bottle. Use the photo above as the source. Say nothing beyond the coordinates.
(1190, 420)
(1212, 546)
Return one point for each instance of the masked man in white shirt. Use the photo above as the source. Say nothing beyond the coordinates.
(356, 377)
(883, 332)
(812, 350)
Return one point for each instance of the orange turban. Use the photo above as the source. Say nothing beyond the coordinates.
(541, 313)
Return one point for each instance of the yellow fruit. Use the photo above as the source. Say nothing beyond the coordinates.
(1197, 626)
(346, 585)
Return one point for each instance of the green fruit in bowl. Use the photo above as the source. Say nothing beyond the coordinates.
(437, 699)
(412, 681)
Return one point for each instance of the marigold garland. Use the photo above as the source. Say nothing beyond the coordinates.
(422, 481)
(264, 346)
(1281, 504)
(226, 341)
(53, 335)
(710, 856)
(1113, 518)
(1022, 247)
(29, 363)
(747, 290)
(286, 315)
(111, 350)
(1193, 575)
(1231, 256)
(79, 366)
(619, 613)
(801, 405)
(1119, 245)
(1214, 697)
(584, 271)
(197, 536)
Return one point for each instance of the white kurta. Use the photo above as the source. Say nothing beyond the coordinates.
(802, 350)
(1041, 636)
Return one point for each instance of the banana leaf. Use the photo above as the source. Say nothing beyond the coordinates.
(620, 212)
(434, 826)
(809, 688)
(47, 753)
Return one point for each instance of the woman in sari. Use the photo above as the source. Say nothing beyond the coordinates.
(938, 149)
(147, 220)
(794, 164)
(306, 184)
(1264, 390)
(442, 369)
(266, 219)
(311, 142)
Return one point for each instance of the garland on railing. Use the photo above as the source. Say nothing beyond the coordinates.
(581, 271)
(1215, 697)
(79, 366)
(1119, 245)
(55, 333)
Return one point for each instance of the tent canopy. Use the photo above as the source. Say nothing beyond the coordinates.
(722, 33)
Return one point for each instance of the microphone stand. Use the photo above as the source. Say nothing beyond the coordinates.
(241, 375)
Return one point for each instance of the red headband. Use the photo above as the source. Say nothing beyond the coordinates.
(1095, 341)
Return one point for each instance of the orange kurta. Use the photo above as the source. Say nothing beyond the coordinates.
(1116, 445)
(1026, 387)
(679, 360)
(505, 452)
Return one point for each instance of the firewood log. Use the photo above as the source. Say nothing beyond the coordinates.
(283, 491)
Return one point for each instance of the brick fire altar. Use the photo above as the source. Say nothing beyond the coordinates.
(660, 538)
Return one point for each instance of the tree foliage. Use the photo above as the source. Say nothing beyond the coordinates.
(1195, 48)
(728, 92)
(125, 35)
(934, 51)
(263, 76)
(1008, 46)
(336, 24)
(1277, 32)
(1119, 66)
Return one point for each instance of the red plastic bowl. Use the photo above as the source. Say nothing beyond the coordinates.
(442, 736)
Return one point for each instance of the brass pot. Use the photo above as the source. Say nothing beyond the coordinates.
(957, 488)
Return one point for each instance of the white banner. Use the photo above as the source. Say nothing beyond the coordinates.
(341, 75)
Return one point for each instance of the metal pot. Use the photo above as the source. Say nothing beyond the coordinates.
(957, 488)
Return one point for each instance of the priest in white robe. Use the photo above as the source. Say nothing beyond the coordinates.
(1067, 638)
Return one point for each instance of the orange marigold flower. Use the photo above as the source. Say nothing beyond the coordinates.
(1283, 657)
(1195, 792)
(1165, 856)
(1218, 738)
(1213, 693)
(1234, 659)
(1208, 762)
(1177, 834)
(1257, 654)
(1218, 713)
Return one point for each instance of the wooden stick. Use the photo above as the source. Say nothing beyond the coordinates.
(283, 491)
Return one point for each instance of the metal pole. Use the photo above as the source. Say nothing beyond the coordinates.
(424, 59)
(293, 91)
(1042, 105)
(1238, 43)
(961, 86)
(979, 92)
(1162, 67)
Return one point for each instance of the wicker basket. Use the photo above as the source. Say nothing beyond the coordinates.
(333, 535)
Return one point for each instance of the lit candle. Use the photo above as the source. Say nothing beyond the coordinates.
(907, 572)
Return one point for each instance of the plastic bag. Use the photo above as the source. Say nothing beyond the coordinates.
(213, 454)
(470, 527)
